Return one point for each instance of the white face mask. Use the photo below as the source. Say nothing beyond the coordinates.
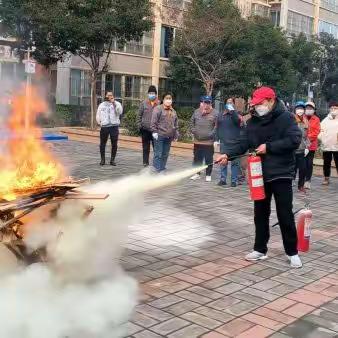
(300, 112)
(309, 112)
(334, 112)
(262, 109)
(167, 102)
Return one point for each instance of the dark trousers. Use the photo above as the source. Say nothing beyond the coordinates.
(301, 168)
(327, 156)
(105, 132)
(309, 165)
(161, 152)
(204, 153)
(281, 189)
(147, 139)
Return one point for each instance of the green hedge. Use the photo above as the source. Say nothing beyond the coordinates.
(185, 113)
(129, 121)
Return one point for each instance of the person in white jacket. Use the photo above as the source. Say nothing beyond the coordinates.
(329, 141)
(109, 118)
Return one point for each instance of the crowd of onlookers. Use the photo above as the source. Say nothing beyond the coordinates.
(285, 140)
(218, 131)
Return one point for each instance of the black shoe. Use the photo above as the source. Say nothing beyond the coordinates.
(221, 183)
(233, 184)
(112, 163)
(103, 162)
(146, 165)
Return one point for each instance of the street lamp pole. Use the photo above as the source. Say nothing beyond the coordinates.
(28, 92)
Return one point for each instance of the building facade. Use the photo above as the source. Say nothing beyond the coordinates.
(131, 68)
(310, 17)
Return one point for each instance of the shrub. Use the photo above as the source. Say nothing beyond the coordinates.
(184, 131)
(185, 113)
(129, 121)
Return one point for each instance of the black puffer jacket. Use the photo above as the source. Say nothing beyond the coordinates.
(279, 131)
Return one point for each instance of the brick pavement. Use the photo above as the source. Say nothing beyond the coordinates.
(187, 253)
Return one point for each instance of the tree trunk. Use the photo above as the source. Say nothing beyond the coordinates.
(93, 102)
(209, 87)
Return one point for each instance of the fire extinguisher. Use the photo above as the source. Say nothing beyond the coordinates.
(255, 178)
(304, 229)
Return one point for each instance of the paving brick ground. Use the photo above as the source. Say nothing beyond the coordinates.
(187, 254)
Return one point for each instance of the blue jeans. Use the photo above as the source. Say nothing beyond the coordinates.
(161, 152)
(234, 171)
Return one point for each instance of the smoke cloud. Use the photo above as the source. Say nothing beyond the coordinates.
(81, 290)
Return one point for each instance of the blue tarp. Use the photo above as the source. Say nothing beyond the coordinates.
(54, 137)
(5, 135)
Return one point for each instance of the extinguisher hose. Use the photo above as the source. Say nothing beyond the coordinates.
(233, 158)
(295, 213)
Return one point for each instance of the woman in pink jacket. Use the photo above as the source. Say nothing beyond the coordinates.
(313, 132)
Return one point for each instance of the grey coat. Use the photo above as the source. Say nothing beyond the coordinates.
(145, 114)
(203, 127)
(165, 122)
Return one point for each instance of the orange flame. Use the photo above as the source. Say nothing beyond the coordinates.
(25, 161)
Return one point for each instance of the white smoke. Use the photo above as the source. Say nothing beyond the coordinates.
(81, 292)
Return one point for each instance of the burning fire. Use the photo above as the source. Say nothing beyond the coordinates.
(25, 161)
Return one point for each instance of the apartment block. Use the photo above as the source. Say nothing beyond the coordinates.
(133, 67)
(305, 16)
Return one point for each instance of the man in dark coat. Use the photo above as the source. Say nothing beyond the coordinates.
(273, 134)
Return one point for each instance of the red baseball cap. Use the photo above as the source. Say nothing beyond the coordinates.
(261, 94)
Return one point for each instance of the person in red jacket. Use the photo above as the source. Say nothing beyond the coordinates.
(313, 132)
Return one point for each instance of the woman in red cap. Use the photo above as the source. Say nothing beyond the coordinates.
(273, 133)
(312, 134)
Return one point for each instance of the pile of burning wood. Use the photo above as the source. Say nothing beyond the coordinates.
(13, 213)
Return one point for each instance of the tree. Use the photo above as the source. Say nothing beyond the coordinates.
(209, 29)
(326, 67)
(268, 54)
(85, 28)
(302, 59)
(229, 54)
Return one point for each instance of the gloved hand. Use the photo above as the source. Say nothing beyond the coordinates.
(216, 145)
(155, 136)
(306, 152)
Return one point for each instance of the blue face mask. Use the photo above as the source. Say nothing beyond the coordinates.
(229, 106)
(152, 97)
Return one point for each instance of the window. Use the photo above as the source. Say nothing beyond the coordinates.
(328, 28)
(167, 37)
(260, 10)
(275, 18)
(331, 5)
(132, 87)
(174, 3)
(298, 23)
(75, 86)
(144, 46)
(128, 86)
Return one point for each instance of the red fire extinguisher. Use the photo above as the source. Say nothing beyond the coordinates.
(255, 178)
(304, 229)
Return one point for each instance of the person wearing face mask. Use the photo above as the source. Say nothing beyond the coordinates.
(313, 132)
(303, 150)
(144, 119)
(329, 141)
(108, 116)
(272, 133)
(227, 133)
(203, 126)
(164, 127)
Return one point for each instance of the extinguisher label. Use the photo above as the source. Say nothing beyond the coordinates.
(257, 182)
(256, 169)
(307, 228)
